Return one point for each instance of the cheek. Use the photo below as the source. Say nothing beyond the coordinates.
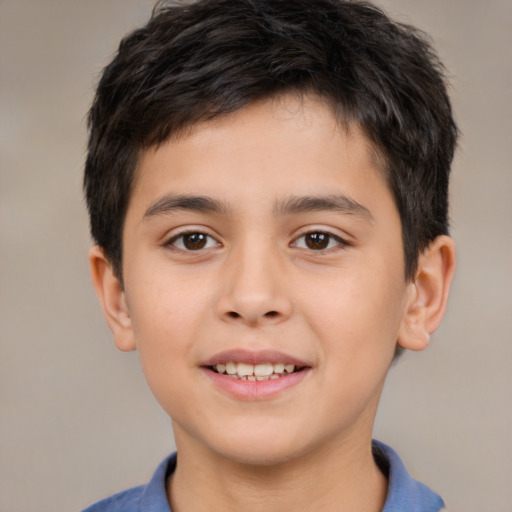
(165, 318)
(357, 315)
(164, 305)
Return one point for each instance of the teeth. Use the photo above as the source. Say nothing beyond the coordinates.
(230, 368)
(256, 372)
(243, 369)
(279, 368)
(263, 370)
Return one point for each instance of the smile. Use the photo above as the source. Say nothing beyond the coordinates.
(254, 372)
(255, 375)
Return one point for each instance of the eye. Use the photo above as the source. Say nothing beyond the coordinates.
(318, 241)
(192, 241)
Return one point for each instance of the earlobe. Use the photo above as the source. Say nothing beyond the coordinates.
(428, 294)
(112, 299)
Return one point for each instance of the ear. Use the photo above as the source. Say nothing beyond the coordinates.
(428, 294)
(112, 298)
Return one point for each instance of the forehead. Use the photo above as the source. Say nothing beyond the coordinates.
(285, 146)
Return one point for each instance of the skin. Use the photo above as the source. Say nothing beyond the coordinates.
(256, 285)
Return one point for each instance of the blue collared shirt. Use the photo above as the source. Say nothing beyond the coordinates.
(404, 493)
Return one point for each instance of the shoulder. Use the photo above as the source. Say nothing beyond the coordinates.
(125, 501)
(151, 497)
(405, 494)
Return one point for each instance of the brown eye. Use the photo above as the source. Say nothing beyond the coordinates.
(317, 241)
(193, 241)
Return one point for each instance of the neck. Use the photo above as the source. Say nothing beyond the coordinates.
(341, 479)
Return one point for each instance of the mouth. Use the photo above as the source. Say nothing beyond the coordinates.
(255, 375)
(255, 372)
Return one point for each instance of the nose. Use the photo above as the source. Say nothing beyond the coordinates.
(254, 289)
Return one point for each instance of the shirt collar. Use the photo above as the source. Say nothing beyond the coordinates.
(404, 493)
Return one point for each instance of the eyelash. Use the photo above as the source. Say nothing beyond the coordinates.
(177, 242)
(340, 243)
(172, 242)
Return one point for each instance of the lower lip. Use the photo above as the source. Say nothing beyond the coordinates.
(255, 389)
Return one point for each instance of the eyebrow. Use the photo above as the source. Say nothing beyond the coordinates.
(170, 203)
(338, 203)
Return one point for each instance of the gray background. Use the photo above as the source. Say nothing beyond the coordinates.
(77, 420)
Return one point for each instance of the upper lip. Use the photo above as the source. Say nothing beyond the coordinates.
(253, 357)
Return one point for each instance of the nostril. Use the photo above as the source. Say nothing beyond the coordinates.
(269, 315)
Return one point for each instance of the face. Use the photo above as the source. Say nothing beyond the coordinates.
(264, 282)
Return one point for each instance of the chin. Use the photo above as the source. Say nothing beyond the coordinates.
(259, 456)
(261, 447)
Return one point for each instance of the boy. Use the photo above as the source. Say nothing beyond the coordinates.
(267, 186)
